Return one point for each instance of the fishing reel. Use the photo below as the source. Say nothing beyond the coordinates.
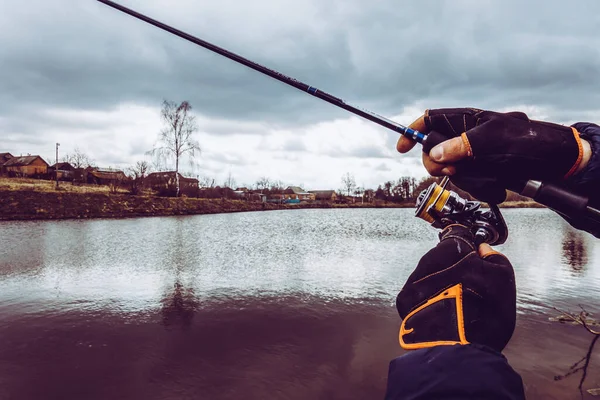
(441, 207)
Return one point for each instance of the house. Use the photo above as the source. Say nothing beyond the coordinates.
(297, 193)
(161, 181)
(324, 195)
(4, 157)
(64, 170)
(258, 197)
(276, 198)
(104, 176)
(25, 166)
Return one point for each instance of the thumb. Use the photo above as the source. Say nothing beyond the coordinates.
(451, 150)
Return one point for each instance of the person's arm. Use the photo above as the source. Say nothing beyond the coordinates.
(487, 152)
(458, 311)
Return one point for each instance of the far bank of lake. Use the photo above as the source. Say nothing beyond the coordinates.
(43, 205)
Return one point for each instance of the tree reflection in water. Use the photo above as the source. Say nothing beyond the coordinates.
(179, 306)
(574, 249)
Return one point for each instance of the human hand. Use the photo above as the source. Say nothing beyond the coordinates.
(458, 295)
(486, 152)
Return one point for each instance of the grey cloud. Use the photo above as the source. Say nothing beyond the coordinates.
(369, 152)
(295, 144)
(227, 159)
(383, 167)
(86, 55)
(361, 152)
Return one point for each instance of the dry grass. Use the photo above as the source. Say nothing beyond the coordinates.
(40, 185)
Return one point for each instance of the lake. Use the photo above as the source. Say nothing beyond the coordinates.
(264, 305)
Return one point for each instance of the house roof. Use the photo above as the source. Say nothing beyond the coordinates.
(322, 194)
(5, 157)
(22, 161)
(296, 190)
(108, 174)
(108, 170)
(63, 166)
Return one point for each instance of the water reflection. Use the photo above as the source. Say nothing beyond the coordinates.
(256, 305)
(179, 306)
(179, 303)
(574, 249)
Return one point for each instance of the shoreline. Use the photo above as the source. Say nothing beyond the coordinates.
(20, 205)
(23, 205)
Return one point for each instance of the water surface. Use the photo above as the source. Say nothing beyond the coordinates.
(280, 304)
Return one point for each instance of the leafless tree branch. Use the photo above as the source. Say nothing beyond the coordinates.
(583, 319)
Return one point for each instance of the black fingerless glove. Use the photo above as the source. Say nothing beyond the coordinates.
(505, 149)
(456, 297)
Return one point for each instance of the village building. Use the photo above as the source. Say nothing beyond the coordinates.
(103, 176)
(25, 166)
(4, 157)
(328, 196)
(297, 193)
(276, 198)
(239, 194)
(161, 181)
(64, 170)
(257, 197)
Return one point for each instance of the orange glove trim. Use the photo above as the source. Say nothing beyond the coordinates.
(467, 144)
(455, 292)
(579, 158)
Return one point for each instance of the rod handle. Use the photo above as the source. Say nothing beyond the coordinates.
(555, 197)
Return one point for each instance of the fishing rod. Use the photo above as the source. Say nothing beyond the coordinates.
(371, 116)
(566, 203)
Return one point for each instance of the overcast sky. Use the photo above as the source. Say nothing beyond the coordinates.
(82, 74)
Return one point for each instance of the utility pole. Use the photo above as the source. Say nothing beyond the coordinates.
(56, 165)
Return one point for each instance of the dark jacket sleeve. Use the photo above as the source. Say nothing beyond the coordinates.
(587, 181)
(453, 373)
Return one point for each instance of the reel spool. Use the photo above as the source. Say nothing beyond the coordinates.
(441, 207)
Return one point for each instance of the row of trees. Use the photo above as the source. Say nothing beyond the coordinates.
(403, 189)
(406, 188)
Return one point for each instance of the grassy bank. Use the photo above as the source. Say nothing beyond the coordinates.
(23, 199)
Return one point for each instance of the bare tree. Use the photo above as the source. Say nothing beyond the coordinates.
(388, 188)
(348, 182)
(277, 187)
(369, 194)
(407, 186)
(230, 181)
(207, 182)
(175, 139)
(78, 159)
(138, 173)
(263, 183)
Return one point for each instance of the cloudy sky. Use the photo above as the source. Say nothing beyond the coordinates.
(82, 74)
